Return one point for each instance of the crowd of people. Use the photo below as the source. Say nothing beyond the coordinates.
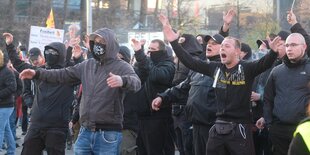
(214, 96)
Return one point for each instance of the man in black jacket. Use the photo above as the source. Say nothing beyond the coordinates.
(50, 110)
(36, 59)
(182, 126)
(130, 122)
(201, 103)
(233, 80)
(156, 74)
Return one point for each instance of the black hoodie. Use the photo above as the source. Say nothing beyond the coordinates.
(192, 46)
(51, 104)
(101, 106)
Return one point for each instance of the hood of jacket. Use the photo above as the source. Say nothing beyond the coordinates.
(289, 64)
(125, 52)
(112, 46)
(61, 49)
(191, 45)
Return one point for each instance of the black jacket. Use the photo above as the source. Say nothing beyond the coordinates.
(7, 83)
(155, 77)
(201, 104)
(28, 93)
(51, 104)
(233, 91)
(192, 46)
(19, 84)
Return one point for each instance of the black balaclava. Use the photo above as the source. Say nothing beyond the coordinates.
(55, 55)
(157, 56)
(51, 57)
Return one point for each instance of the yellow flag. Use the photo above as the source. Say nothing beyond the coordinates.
(50, 23)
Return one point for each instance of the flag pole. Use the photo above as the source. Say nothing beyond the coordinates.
(89, 17)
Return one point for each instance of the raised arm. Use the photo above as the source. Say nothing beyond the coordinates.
(259, 66)
(297, 28)
(197, 65)
(227, 18)
(18, 64)
(142, 62)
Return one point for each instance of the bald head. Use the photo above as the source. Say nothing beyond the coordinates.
(295, 47)
(297, 37)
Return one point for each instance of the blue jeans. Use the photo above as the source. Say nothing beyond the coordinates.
(13, 122)
(97, 142)
(5, 130)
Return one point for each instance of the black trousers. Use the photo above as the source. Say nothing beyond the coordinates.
(281, 136)
(183, 134)
(53, 140)
(24, 118)
(155, 137)
(238, 142)
(262, 142)
(201, 136)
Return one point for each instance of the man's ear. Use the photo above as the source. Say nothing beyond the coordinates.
(238, 52)
(181, 40)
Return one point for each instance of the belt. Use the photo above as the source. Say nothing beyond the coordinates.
(94, 129)
(224, 122)
(178, 106)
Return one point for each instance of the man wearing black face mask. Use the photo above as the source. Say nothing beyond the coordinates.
(50, 109)
(156, 74)
(105, 80)
(51, 57)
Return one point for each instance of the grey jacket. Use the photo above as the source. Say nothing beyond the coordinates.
(101, 107)
(287, 92)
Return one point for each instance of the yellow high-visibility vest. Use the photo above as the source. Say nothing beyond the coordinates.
(304, 130)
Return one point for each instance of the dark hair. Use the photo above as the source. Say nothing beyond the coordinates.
(162, 45)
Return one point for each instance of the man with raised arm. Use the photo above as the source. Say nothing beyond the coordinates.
(233, 80)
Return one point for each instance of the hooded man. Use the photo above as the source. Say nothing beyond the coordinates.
(105, 79)
(200, 105)
(50, 109)
(246, 52)
(182, 126)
